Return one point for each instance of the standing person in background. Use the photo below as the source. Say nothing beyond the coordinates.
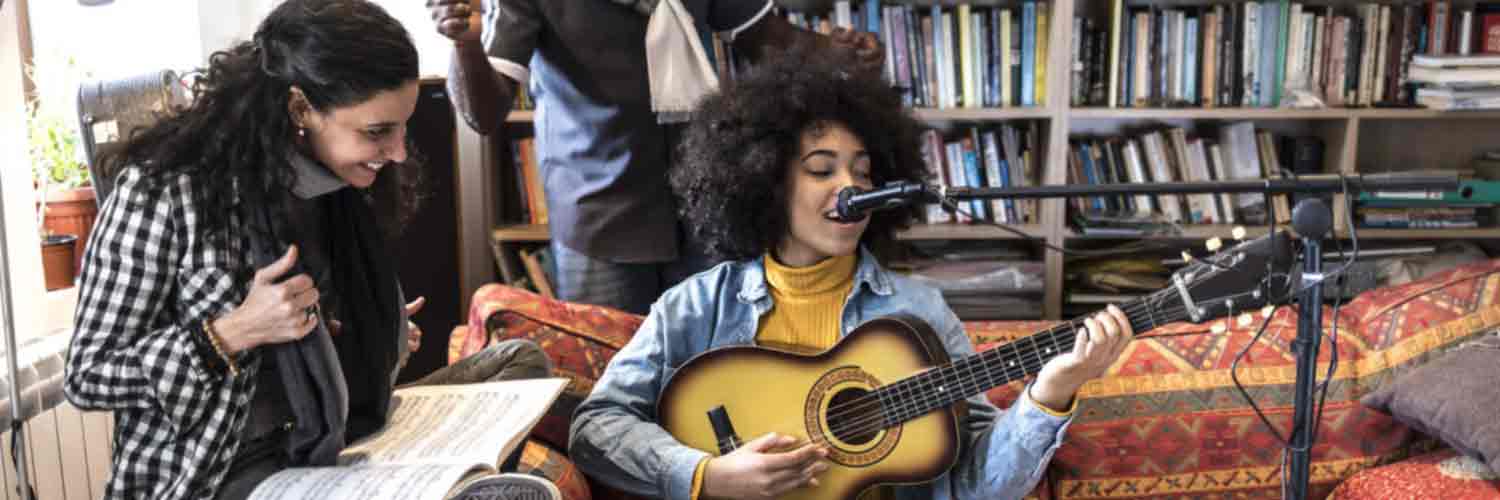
(602, 152)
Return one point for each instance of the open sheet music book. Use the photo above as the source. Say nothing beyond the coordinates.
(437, 440)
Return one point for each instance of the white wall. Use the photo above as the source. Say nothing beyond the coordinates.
(433, 50)
(222, 24)
(22, 242)
(124, 38)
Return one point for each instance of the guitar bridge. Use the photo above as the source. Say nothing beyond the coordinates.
(724, 433)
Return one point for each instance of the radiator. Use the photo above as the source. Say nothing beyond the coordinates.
(68, 451)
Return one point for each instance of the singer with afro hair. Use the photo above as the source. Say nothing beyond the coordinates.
(734, 156)
(762, 167)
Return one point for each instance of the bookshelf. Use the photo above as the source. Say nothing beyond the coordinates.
(1356, 140)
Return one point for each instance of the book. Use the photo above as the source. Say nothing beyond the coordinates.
(537, 263)
(437, 441)
(1454, 61)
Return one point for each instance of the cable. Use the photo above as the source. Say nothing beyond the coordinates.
(1268, 284)
(1333, 337)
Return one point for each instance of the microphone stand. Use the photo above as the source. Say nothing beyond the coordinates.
(1311, 220)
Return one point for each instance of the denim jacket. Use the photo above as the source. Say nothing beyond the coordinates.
(615, 436)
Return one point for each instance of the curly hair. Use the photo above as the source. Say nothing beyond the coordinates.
(734, 156)
(236, 134)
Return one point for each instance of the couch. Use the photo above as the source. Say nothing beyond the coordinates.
(1166, 421)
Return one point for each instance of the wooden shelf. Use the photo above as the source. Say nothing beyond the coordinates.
(1425, 234)
(925, 114)
(1210, 113)
(980, 114)
(1275, 114)
(1427, 114)
(521, 233)
(1189, 232)
(968, 232)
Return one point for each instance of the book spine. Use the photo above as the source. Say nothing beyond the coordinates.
(1028, 53)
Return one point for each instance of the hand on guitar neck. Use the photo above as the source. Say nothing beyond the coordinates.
(1096, 347)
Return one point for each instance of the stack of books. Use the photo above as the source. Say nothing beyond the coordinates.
(1471, 206)
(1454, 82)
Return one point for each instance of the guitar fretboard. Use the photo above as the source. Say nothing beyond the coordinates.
(940, 387)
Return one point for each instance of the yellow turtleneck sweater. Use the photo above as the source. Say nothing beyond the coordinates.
(808, 303)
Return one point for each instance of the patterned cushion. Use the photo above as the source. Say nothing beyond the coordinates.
(538, 459)
(579, 338)
(1166, 421)
(1441, 474)
(1453, 399)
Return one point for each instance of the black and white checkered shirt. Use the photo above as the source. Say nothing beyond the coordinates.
(149, 278)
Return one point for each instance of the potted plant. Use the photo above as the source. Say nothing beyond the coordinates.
(67, 203)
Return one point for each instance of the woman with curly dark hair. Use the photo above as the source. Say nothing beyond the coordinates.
(763, 164)
(239, 310)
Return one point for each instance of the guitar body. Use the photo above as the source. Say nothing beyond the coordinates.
(765, 390)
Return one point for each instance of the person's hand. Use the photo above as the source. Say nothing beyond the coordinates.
(1097, 346)
(865, 46)
(414, 332)
(755, 471)
(274, 311)
(459, 20)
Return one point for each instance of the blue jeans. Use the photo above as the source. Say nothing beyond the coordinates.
(628, 287)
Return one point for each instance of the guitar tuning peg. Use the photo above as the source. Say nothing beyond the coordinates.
(1244, 320)
(1238, 232)
(1214, 244)
(1265, 312)
(1218, 327)
(1187, 257)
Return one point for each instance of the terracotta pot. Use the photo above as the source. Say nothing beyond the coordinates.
(72, 212)
(57, 260)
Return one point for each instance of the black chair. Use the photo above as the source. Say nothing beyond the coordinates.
(110, 110)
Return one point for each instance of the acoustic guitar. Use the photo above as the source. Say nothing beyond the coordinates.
(887, 401)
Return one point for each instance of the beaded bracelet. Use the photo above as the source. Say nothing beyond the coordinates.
(213, 339)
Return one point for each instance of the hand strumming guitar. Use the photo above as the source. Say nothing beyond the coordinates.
(755, 470)
(1095, 349)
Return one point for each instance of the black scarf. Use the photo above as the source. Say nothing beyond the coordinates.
(338, 388)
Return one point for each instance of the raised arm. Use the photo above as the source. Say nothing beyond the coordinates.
(773, 32)
(481, 94)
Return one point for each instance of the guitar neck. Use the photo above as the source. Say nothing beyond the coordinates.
(940, 387)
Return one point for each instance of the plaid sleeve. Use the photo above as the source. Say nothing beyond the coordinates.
(131, 346)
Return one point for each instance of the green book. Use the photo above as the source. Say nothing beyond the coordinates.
(1469, 192)
(1278, 78)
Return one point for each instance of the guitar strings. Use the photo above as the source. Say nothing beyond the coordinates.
(1137, 315)
(867, 421)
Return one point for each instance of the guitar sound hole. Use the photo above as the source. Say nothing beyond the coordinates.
(854, 418)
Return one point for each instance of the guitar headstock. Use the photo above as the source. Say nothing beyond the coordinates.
(1235, 280)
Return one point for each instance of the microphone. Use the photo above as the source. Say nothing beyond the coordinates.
(855, 204)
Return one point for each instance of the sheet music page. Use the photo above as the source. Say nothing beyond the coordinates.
(469, 423)
(395, 482)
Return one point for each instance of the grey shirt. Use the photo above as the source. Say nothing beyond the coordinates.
(602, 156)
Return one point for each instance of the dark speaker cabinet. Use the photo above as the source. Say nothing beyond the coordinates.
(428, 248)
